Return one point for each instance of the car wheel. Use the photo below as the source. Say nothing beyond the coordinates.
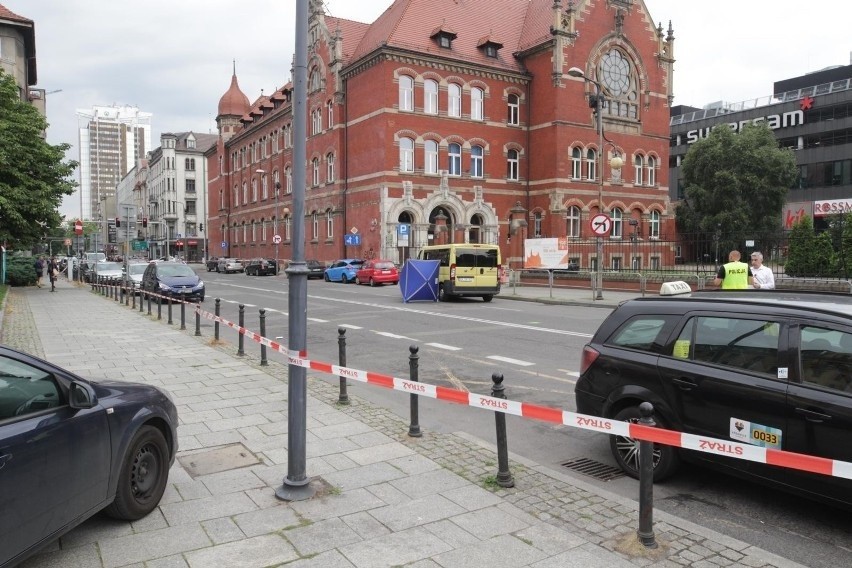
(143, 476)
(487, 298)
(372, 283)
(326, 278)
(442, 295)
(358, 281)
(625, 450)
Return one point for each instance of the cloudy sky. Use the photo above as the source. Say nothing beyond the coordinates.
(173, 58)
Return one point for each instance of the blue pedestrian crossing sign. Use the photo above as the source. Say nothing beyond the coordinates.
(351, 240)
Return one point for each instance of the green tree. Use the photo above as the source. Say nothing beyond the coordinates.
(810, 254)
(735, 183)
(33, 174)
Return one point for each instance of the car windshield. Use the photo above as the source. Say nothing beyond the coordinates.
(104, 266)
(383, 265)
(175, 270)
(138, 268)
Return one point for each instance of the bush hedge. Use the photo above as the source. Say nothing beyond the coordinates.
(20, 270)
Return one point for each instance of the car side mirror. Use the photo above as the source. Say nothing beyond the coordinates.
(81, 396)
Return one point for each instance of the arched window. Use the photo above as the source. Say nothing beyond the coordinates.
(330, 110)
(287, 228)
(315, 225)
(329, 224)
(537, 224)
(652, 171)
(316, 81)
(406, 93)
(572, 219)
(430, 96)
(576, 163)
(264, 187)
(454, 159)
(406, 155)
(254, 190)
(476, 154)
(654, 225)
(454, 100)
(236, 195)
(315, 172)
(245, 193)
(591, 164)
(514, 110)
(288, 179)
(617, 223)
(512, 165)
(430, 166)
(617, 75)
(638, 162)
(329, 168)
(477, 97)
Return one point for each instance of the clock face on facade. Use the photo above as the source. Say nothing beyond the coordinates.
(615, 73)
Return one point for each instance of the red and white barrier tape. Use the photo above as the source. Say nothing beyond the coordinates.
(727, 448)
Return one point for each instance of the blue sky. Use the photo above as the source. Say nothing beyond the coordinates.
(174, 59)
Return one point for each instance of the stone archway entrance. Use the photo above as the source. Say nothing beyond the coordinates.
(441, 224)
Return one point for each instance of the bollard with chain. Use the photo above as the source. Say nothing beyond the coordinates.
(241, 340)
(159, 307)
(216, 323)
(169, 300)
(343, 397)
(148, 297)
(197, 320)
(414, 400)
(263, 361)
(132, 292)
(504, 476)
(182, 315)
(646, 481)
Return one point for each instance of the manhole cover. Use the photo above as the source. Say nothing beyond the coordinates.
(218, 459)
(594, 469)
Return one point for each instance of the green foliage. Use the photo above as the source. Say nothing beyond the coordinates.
(20, 270)
(33, 175)
(819, 255)
(736, 184)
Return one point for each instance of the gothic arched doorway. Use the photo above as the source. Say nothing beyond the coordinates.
(474, 234)
(440, 227)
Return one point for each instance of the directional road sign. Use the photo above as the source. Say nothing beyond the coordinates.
(601, 224)
(351, 240)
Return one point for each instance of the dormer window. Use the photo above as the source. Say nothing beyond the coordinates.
(489, 46)
(444, 36)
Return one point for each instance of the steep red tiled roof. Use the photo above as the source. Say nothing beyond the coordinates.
(7, 14)
(234, 102)
(408, 24)
(352, 33)
(537, 22)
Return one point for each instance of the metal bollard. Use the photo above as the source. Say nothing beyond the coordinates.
(197, 319)
(414, 400)
(646, 481)
(159, 307)
(242, 338)
(169, 301)
(216, 323)
(263, 361)
(132, 293)
(343, 397)
(504, 476)
(148, 297)
(183, 315)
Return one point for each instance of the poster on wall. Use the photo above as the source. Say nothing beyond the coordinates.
(546, 253)
(793, 212)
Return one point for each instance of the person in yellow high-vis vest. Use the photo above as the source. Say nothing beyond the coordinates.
(734, 275)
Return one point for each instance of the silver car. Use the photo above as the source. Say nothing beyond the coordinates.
(133, 278)
(106, 272)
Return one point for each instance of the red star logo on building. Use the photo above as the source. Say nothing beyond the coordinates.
(806, 103)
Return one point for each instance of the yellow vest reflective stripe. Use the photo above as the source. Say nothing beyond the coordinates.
(736, 276)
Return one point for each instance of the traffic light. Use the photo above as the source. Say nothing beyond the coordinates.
(144, 222)
(201, 227)
(117, 222)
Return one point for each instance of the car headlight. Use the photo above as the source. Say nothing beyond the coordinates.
(199, 286)
(164, 287)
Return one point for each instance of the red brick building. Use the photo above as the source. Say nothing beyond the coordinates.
(455, 118)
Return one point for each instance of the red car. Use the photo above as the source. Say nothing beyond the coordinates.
(374, 272)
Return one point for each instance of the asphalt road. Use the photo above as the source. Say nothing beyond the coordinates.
(537, 349)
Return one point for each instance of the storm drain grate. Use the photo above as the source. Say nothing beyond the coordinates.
(594, 469)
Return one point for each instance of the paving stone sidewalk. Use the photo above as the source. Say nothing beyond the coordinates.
(384, 499)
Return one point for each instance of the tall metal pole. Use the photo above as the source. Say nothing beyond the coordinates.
(296, 485)
(599, 113)
(277, 186)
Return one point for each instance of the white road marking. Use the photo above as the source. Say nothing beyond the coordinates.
(317, 320)
(510, 360)
(570, 373)
(350, 326)
(392, 335)
(442, 346)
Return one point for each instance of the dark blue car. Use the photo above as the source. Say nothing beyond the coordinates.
(70, 448)
(174, 280)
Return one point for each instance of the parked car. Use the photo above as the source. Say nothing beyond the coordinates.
(229, 265)
(173, 280)
(133, 276)
(261, 267)
(769, 368)
(212, 264)
(70, 447)
(316, 269)
(375, 272)
(106, 272)
(343, 270)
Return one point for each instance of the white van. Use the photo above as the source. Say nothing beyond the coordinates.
(466, 269)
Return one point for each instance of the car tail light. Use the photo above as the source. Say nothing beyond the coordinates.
(452, 272)
(590, 355)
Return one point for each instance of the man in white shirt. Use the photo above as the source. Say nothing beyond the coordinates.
(763, 276)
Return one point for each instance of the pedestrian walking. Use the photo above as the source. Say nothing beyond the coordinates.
(763, 277)
(734, 275)
(53, 273)
(39, 270)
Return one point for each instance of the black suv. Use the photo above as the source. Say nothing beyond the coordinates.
(770, 368)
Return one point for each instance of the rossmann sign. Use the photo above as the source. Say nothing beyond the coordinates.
(774, 121)
(832, 207)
